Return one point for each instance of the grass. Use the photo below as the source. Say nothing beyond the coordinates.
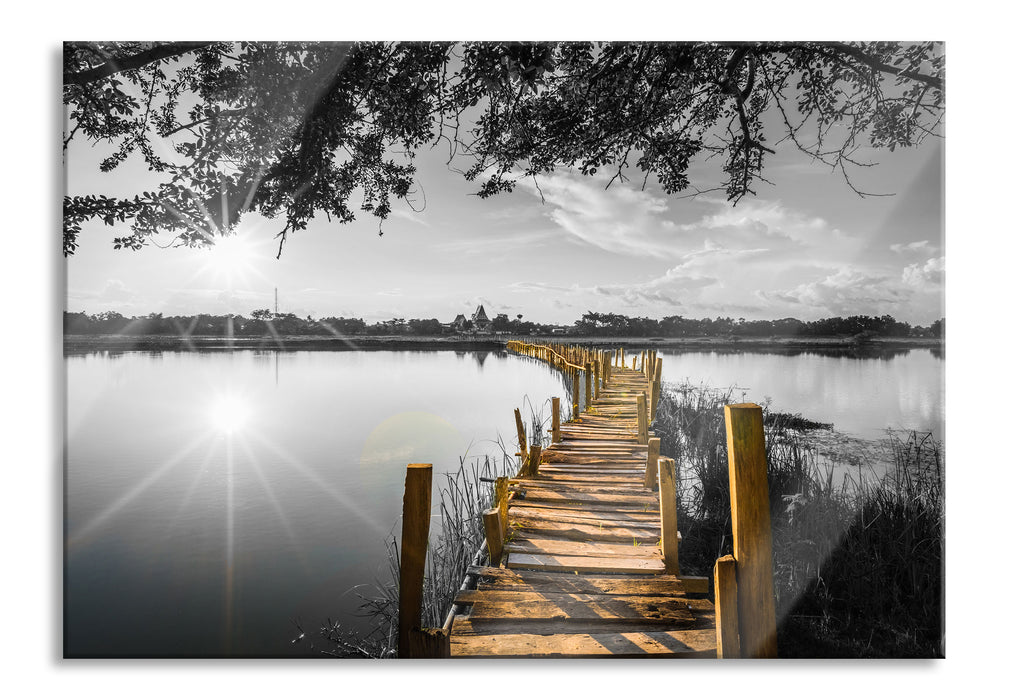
(858, 562)
(455, 543)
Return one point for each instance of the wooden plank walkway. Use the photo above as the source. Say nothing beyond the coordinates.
(583, 573)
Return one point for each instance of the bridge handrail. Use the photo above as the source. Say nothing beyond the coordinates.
(547, 347)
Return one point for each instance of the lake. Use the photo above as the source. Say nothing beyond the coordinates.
(215, 500)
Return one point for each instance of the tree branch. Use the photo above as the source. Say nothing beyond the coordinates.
(118, 64)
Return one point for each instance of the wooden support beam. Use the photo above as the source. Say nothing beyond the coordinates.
(574, 395)
(667, 515)
(534, 460)
(494, 531)
(652, 466)
(501, 496)
(751, 530)
(416, 524)
(642, 420)
(521, 430)
(726, 610)
(430, 644)
(555, 419)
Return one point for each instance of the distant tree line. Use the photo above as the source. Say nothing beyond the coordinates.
(263, 322)
(616, 325)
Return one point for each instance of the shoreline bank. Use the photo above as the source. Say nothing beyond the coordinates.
(123, 343)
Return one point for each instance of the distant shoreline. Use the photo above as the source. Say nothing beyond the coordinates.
(123, 343)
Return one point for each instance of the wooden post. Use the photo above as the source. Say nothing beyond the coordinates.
(416, 523)
(596, 371)
(494, 531)
(521, 430)
(534, 460)
(652, 467)
(642, 421)
(751, 530)
(574, 395)
(726, 611)
(588, 384)
(430, 644)
(555, 421)
(501, 496)
(667, 514)
(653, 399)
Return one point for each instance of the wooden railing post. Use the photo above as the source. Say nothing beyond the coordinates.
(642, 421)
(555, 420)
(534, 460)
(751, 530)
(501, 496)
(667, 515)
(596, 371)
(521, 430)
(726, 608)
(652, 466)
(416, 523)
(574, 395)
(494, 531)
(588, 385)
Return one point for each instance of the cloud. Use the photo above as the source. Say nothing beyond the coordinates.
(847, 291)
(916, 247)
(927, 275)
(635, 222)
(115, 290)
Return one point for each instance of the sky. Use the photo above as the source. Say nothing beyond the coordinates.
(807, 247)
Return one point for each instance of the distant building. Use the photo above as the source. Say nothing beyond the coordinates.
(480, 321)
(459, 324)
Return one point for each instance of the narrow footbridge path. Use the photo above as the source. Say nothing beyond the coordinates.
(587, 562)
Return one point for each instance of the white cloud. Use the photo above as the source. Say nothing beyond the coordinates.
(848, 291)
(915, 247)
(930, 274)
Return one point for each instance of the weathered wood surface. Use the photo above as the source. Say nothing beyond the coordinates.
(583, 573)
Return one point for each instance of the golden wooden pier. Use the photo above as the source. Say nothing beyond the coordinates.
(583, 545)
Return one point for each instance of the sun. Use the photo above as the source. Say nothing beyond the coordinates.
(230, 258)
(229, 413)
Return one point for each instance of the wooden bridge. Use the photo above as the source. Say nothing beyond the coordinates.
(582, 544)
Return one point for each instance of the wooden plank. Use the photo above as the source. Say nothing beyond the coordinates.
(658, 644)
(649, 519)
(563, 547)
(548, 611)
(572, 496)
(751, 530)
(553, 581)
(587, 531)
(582, 479)
(699, 606)
(652, 508)
(601, 565)
(534, 488)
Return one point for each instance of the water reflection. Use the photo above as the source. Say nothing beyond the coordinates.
(242, 501)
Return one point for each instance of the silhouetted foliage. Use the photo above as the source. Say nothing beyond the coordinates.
(298, 129)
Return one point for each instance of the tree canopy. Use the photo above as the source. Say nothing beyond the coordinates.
(299, 130)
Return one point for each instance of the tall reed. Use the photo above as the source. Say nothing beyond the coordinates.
(858, 559)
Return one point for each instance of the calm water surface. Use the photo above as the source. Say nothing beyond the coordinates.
(214, 499)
